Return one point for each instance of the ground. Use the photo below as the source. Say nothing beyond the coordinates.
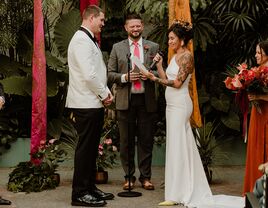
(226, 180)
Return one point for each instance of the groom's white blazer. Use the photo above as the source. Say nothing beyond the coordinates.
(87, 73)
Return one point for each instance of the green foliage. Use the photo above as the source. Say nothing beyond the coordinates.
(63, 130)
(27, 177)
(241, 25)
(154, 9)
(199, 4)
(12, 20)
(18, 85)
(160, 134)
(204, 32)
(107, 151)
(219, 108)
(208, 144)
(30, 177)
(9, 130)
(65, 28)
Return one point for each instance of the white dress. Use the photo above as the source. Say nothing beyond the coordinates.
(185, 179)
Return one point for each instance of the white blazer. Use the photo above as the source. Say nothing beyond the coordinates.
(87, 73)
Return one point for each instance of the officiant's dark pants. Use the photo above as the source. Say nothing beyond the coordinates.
(88, 123)
(136, 121)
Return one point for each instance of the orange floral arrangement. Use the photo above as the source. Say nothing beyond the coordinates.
(243, 80)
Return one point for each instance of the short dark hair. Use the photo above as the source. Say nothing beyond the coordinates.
(183, 30)
(91, 9)
(131, 16)
(264, 46)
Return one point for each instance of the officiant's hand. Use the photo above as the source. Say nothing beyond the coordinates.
(143, 76)
(133, 76)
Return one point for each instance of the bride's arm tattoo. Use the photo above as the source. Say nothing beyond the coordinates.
(186, 64)
(165, 82)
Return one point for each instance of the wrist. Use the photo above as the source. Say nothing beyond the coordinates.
(126, 77)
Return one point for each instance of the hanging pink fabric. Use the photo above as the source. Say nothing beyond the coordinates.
(84, 4)
(39, 96)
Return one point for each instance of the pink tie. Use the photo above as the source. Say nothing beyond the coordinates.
(137, 83)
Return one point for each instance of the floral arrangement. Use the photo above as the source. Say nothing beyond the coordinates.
(35, 177)
(253, 79)
(107, 152)
(243, 80)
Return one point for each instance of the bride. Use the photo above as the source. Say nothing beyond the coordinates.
(185, 179)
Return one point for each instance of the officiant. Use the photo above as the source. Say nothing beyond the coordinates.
(136, 115)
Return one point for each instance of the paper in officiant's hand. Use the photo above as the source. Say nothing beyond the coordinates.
(136, 61)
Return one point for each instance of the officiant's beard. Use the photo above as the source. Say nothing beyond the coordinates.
(135, 37)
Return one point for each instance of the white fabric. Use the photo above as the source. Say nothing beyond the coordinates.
(87, 73)
(225, 201)
(185, 179)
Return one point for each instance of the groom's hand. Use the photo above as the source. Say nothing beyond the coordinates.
(108, 101)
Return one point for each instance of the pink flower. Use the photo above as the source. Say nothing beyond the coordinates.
(42, 142)
(51, 141)
(114, 148)
(100, 147)
(236, 82)
(108, 141)
(242, 67)
(146, 47)
(228, 83)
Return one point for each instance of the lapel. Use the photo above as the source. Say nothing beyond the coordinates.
(146, 52)
(125, 48)
(94, 40)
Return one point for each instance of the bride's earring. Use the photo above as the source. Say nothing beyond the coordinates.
(182, 43)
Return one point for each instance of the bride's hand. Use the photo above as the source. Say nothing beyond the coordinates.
(150, 76)
(158, 59)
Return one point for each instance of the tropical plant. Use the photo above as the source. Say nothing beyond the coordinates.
(240, 25)
(208, 146)
(15, 63)
(62, 129)
(30, 177)
(107, 151)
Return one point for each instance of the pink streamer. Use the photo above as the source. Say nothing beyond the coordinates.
(39, 97)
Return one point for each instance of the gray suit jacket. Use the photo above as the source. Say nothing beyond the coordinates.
(118, 65)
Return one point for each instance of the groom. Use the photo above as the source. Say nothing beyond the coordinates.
(137, 115)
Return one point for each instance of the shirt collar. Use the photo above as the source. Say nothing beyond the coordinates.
(91, 33)
(131, 42)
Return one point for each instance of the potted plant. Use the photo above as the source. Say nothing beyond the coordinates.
(208, 144)
(107, 152)
(30, 177)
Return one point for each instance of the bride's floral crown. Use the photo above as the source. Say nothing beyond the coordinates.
(186, 25)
